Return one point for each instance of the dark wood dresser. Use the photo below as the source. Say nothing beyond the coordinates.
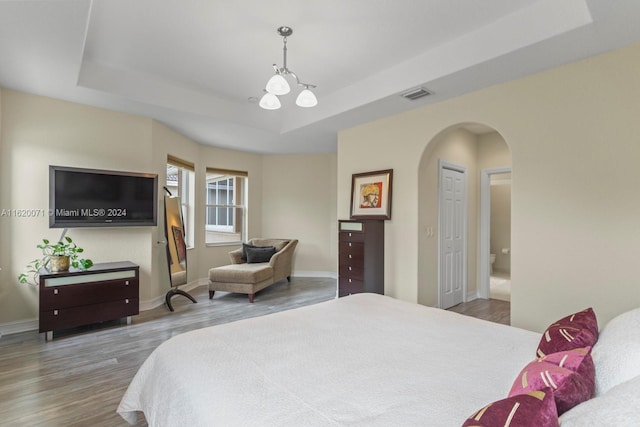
(360, 256)
(74, 298)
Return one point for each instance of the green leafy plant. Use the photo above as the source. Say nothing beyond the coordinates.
(65, 247)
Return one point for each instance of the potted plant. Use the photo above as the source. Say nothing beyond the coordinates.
(59, 256)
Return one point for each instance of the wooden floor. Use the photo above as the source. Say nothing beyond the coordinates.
(79, 378)
(492, 310)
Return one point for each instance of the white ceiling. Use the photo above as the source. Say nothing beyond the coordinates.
(194, 64)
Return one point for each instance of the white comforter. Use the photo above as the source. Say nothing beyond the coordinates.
(362, 360)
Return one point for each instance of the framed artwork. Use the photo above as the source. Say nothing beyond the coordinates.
(371, 195)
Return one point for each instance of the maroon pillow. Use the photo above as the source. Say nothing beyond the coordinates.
(568, 387)
(533, 409)
(578, 360)
(577, 330)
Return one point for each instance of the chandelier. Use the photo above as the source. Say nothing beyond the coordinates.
(278, 85)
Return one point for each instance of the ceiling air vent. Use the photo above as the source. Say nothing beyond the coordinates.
(415, 93)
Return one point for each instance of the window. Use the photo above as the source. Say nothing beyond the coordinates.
(180, 181)
(225, 218)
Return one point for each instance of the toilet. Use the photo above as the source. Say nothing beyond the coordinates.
(493, 259)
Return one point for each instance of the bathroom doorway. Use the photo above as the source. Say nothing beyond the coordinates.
(479, 149)
(496, 239)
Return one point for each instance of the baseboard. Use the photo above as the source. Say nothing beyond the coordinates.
(329, 274)
(471, 296)
(17, 327)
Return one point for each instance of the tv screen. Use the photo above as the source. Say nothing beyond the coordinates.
(100, 198)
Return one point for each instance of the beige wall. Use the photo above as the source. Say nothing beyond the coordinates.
(37, 131)
(493, 151)
(573, 136)
(299, 200)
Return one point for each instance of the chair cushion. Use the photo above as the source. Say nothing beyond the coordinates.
(241, 273)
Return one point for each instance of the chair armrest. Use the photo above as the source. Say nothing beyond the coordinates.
(236, 256)
(281, 261)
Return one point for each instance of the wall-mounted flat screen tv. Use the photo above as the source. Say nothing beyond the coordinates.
(101, 198)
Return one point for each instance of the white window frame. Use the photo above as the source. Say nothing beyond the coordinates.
(235, 200)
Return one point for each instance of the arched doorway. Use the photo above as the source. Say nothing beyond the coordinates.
(477, 147)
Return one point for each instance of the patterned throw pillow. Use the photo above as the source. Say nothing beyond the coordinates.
(567, 386)
(578, 360)
(533, 409)
(574, 331)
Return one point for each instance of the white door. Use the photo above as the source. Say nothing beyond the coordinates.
(452, 236)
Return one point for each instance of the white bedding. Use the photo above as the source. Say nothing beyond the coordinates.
(362, 360)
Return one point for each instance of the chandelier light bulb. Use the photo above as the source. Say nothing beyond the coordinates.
(306, 99)
(278, 85)
(270, 102)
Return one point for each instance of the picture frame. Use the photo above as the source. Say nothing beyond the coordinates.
(371, 195)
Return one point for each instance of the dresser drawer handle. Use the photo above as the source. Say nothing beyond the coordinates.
(349, 280)
(349, 234)
(126, 301)
(350, 268)
(55, 292)
(126, 283)
(350, 256)
(55, 312)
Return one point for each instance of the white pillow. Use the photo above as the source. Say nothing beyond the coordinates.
(616, 355)
(619, 407)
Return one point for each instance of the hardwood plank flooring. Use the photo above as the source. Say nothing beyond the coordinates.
(493, 310)
(79, 378)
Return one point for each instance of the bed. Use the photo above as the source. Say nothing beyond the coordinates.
(362, 360)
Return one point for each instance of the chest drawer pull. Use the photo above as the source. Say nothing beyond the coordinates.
(55, 312)
(350, 268)
(126, 301)
(350, 244)
(126, 283)
(55, 292)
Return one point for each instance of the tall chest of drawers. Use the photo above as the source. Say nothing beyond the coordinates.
(360, 256)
